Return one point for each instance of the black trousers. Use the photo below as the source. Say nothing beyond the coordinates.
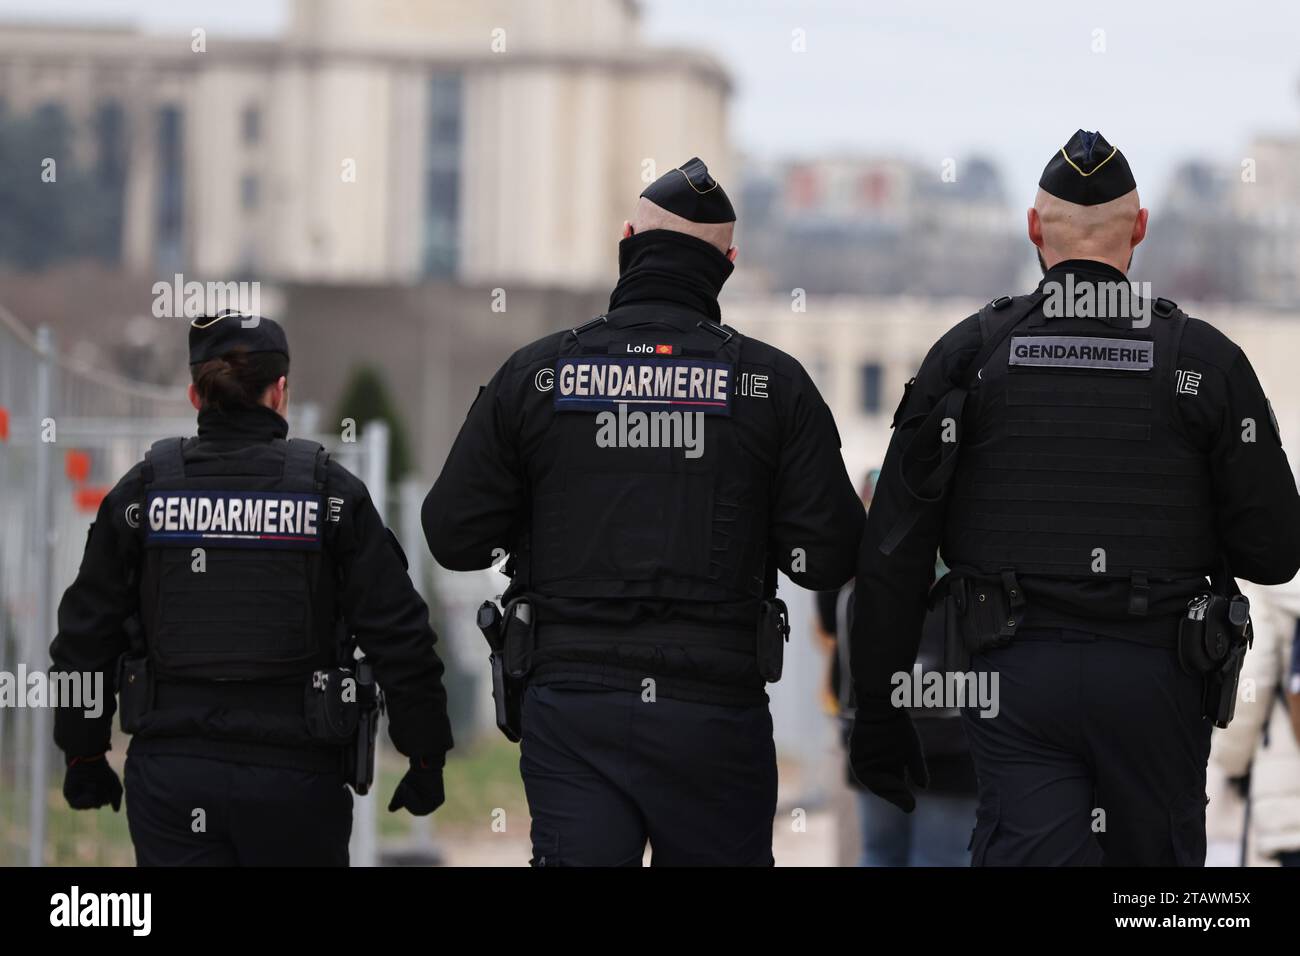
(1096, 755)
(195, 811)
(606, 771)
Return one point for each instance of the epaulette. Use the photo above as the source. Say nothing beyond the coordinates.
(588, 326)
(1164, 307)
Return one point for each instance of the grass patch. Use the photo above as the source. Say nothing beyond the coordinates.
(479, 778)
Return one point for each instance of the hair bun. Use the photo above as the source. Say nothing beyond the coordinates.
(238, 379)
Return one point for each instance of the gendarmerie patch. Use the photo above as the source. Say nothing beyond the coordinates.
(234, 519)
(1083, 351)
(601, 382)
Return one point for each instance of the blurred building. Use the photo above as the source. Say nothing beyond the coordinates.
(419, 187)
(1268, 201)
(1195, 246)
(861, 350)
(386, 166)
(1231, 234)
(880, 226)
(383, 141)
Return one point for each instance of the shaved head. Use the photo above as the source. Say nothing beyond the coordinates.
(648, 216)
(1106, 231)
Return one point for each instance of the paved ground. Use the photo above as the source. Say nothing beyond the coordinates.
(812, 847)
(822, 835)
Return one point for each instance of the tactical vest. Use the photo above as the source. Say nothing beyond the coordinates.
(235, 585)
(615, 513)
(1074, 463)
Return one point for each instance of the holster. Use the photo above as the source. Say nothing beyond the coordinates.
(135, 691)
(956, 658)
(519, 638)
(980, 614)
(772, 634)
(331, 705)
(507, 690)
(359, 756)
(1213, 637)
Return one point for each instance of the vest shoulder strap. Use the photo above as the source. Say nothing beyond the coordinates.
(304, 465)
(998, 320)
(165, 461)
(934, 486)
(724, 332)
(724, 336)
(588, 326)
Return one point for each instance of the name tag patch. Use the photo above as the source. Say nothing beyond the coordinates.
(643, 348)
(600, 382)
(234, 519)
(1083, 351)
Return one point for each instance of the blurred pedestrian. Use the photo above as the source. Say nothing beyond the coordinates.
(1259, 748)
(1293, 685)
(937, 833)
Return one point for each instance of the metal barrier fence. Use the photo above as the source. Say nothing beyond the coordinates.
(67, 433)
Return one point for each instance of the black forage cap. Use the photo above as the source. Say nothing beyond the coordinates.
(690, 192)
(213, 336)
(1087, 171)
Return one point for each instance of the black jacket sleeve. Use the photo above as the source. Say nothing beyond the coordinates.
(891, 592)
(475, 511)
(391, 625)
(816, 513)
(1257, 508)
(91, 636)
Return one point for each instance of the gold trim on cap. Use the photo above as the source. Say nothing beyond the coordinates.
(1113, 151)
(692, 185)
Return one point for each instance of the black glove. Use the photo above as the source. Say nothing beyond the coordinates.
(90, 783)
(420, 791)
(885, 754)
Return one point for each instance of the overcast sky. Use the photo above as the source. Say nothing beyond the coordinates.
(1011, 79)
(944, 78)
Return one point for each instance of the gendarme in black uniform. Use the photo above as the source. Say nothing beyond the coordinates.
(1103, 471)
(295, 563)
(648, 564)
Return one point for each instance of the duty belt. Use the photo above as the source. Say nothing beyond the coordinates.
(280, 699)
(240, 721)
(561, 635)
